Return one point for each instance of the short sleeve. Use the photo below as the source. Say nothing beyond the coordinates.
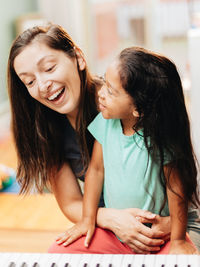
(98, 128)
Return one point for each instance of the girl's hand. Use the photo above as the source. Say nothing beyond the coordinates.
(126, 225)
(182, 247)
(84, 227)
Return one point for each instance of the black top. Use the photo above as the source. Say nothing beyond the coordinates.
(72, 152)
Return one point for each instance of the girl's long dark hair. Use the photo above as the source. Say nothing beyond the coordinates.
(38, 130)
(154, 84)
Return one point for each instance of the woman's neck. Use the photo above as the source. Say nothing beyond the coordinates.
(72, 118)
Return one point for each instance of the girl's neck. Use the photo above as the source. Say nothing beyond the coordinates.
(127, 125)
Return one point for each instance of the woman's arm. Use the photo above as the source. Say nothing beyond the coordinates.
(178, 208)
(68, 193)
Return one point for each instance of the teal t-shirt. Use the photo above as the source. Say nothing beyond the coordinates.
(129, 182)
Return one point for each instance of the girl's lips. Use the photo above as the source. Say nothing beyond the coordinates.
(101, 107)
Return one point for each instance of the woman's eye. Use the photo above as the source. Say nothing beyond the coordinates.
(49, 69)
(29, 83)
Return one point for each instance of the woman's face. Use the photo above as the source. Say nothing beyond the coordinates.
(51, 77)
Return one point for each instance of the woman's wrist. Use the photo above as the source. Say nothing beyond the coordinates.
(104, 218)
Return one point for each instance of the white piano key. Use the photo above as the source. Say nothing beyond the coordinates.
(12, 257)
(138, 261)
(170, 260)
(106, 260)
(64, 259)
(95, 259)
(117, 260)
(75, 259)
(160, 260)
(48, 260)
(128, 260)
(182, 260)
(149, 260)
(28, 258)
(4, 259)
(192, 260)
(85, 259)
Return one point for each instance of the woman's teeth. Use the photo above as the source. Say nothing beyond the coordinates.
(56, 94)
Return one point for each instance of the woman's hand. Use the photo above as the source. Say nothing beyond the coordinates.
(127, 226)
(84, 227)
(182, 247)
(159, 223)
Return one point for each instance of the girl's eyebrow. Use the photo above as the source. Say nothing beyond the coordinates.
(115, 90)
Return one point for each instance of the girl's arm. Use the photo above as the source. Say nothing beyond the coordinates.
(92, 192)
(178, 208)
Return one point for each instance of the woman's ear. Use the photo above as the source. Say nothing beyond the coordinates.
(80, 59)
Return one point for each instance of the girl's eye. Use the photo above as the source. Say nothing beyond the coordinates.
(109, 90)
(103, 79)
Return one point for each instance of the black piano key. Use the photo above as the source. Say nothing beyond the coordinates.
(175, 265)
(162, 265)
(143, 265)
(36, 264)
(54, 264)
(129, 265)
(98, 265)
(85, 265)
(12, 264)
(110, 265)
(66, 264)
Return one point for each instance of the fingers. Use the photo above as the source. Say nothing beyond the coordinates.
(146, 214)
(69, 236)
(62, 238)
(72, 238)
(88, 238)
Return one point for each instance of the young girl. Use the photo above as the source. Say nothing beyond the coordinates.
(142, 155)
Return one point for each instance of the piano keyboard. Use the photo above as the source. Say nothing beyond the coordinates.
(96, 260)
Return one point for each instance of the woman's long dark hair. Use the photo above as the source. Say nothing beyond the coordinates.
(38, 130)
(154, 84)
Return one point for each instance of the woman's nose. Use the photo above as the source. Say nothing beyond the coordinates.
(44, 85)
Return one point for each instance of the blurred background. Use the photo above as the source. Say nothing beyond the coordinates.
(101, 28)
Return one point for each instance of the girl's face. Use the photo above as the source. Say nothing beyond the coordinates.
(51, 77)
(114, 101)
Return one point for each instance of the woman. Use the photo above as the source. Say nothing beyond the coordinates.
(53, 99)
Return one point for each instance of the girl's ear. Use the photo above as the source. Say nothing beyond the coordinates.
(80, 59)
(135, 113)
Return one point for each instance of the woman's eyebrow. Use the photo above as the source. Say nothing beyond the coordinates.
(40, 62)
(44, 58)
